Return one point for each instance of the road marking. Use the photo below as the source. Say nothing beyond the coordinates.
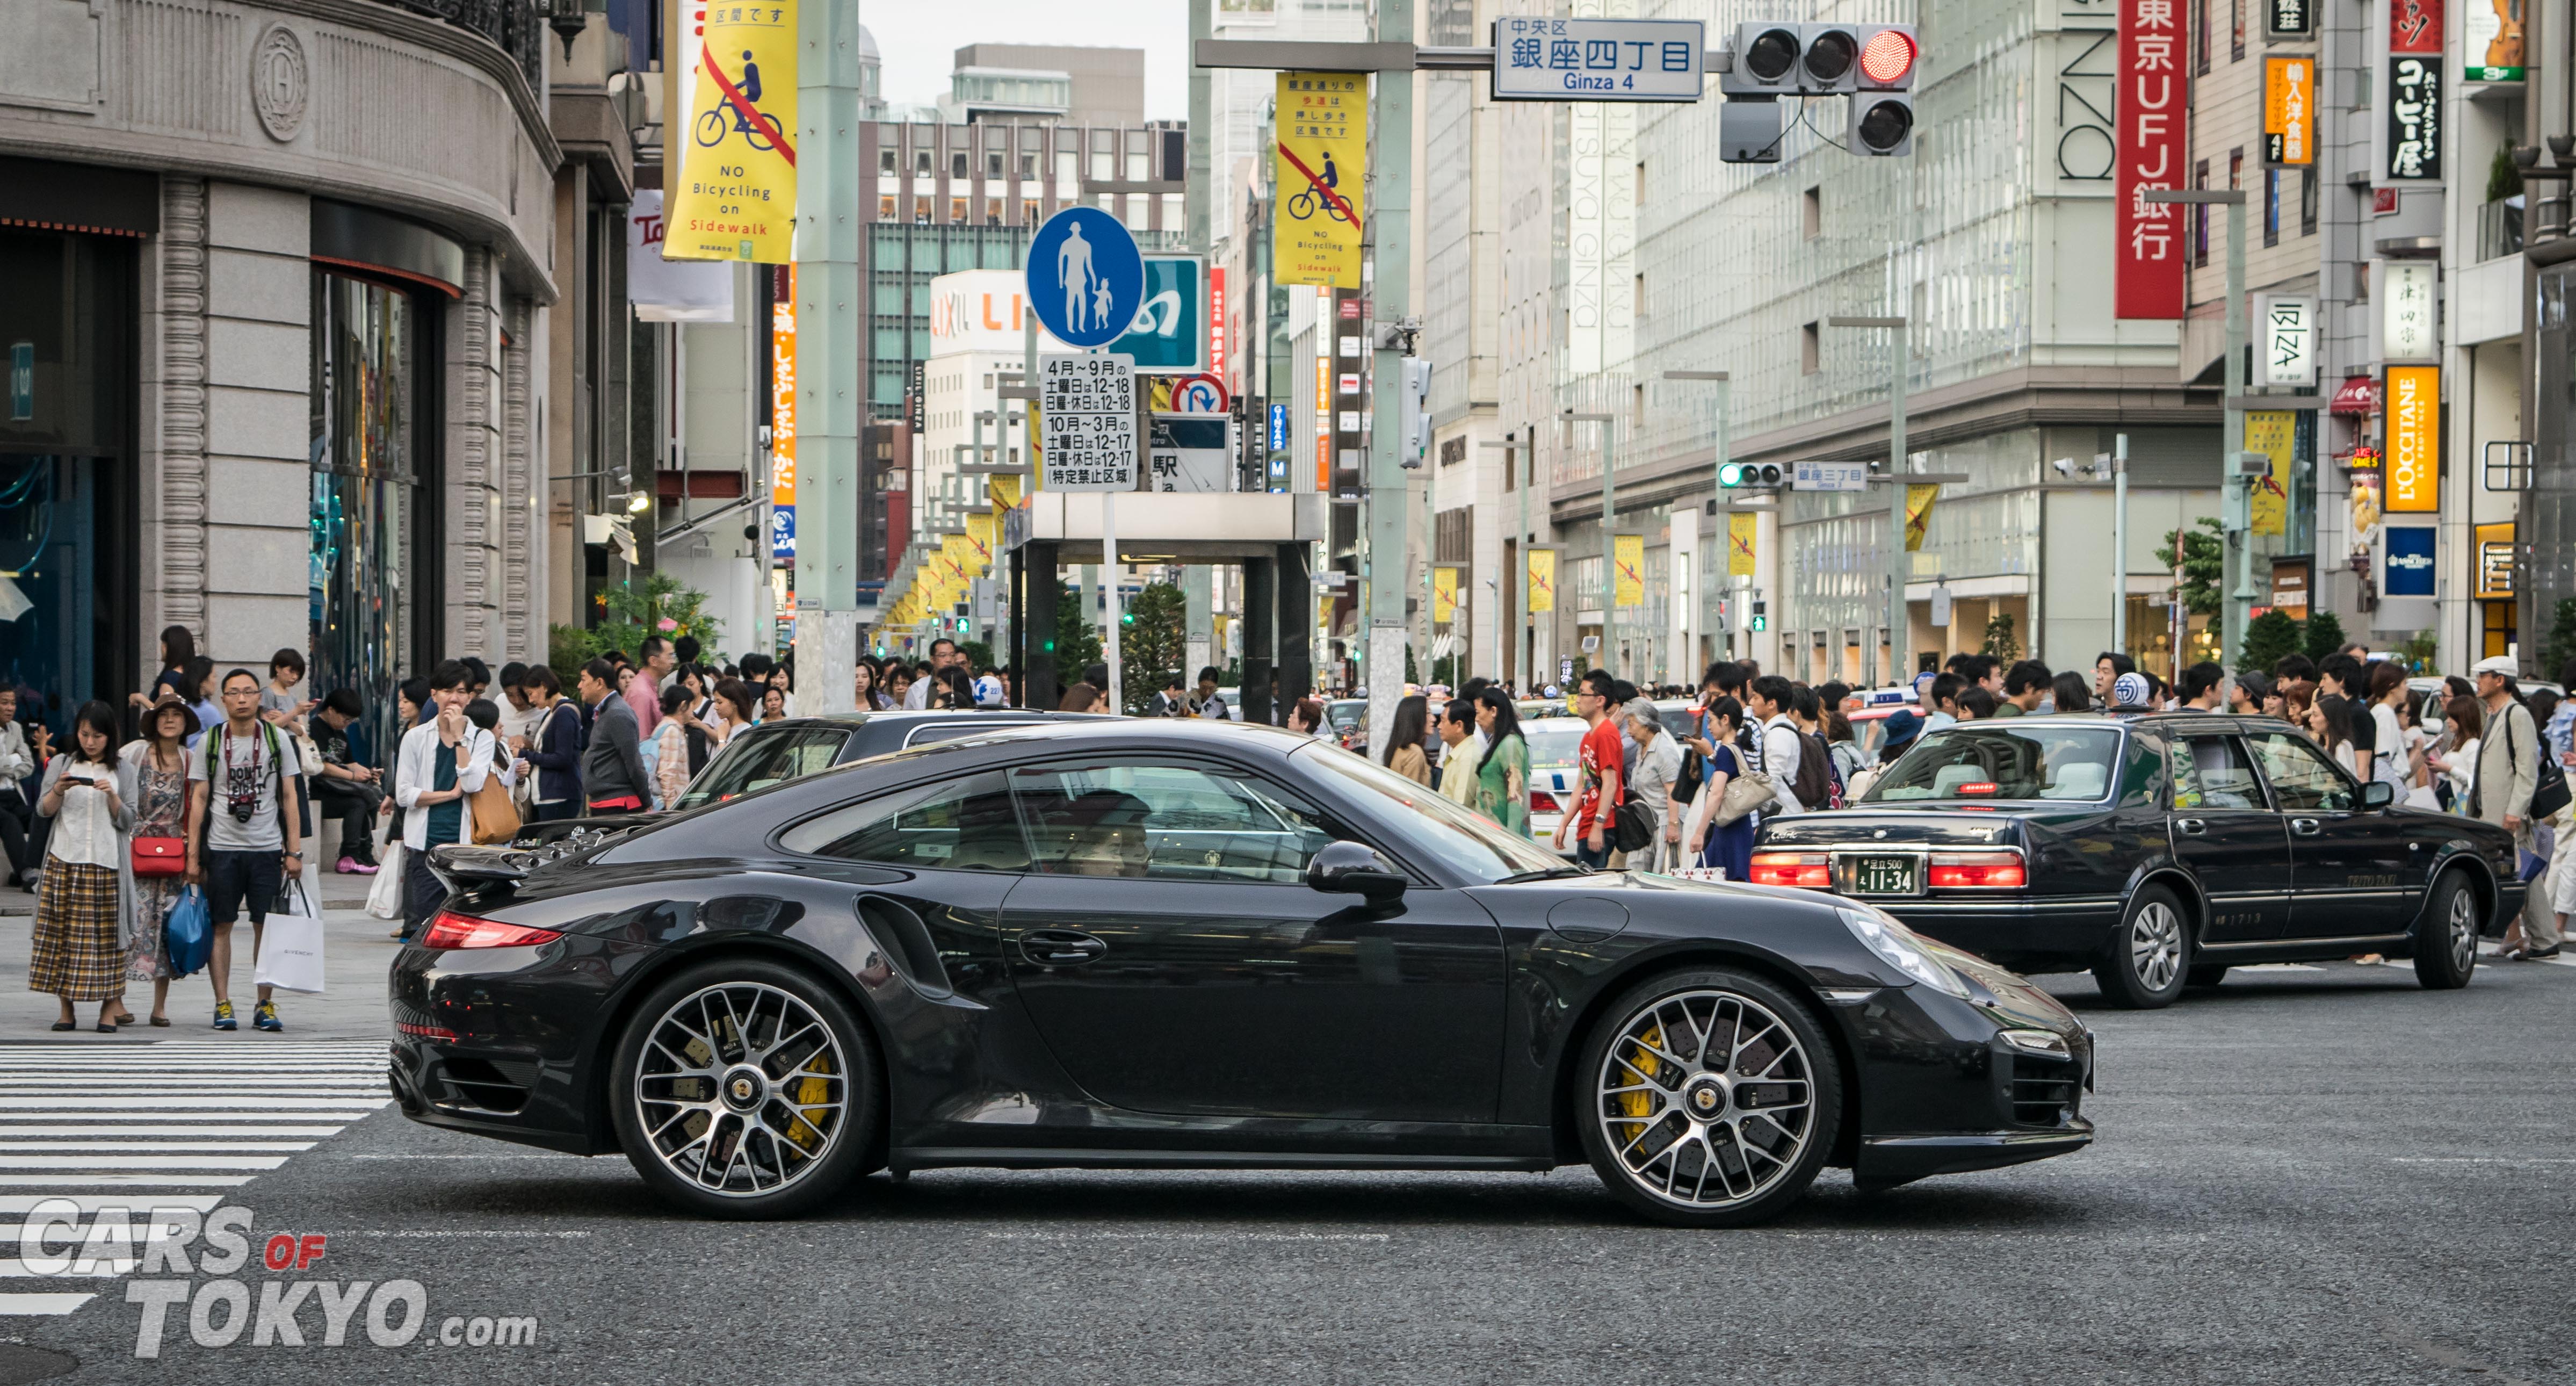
(2482, 1160)
(2277, 967)
(178, 1103)
(42, 1304)
(124, 1181)
(244, 1147)
(23, 1204)
(53, 1129)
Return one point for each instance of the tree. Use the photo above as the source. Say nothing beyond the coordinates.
(1151, 643)
(1077, 645)
(2268, 637)
(2324, 635)
(627, 613)
(2560, 647)
(2000, 640)
(2203, 565)
(978, 655)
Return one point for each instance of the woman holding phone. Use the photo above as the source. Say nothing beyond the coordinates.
(76, 954)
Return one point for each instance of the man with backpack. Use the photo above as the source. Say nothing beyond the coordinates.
(245, 851)
(2509, 773)
(1780, 749)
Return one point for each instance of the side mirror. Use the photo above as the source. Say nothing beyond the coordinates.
(2378, 794)
(1355, 868)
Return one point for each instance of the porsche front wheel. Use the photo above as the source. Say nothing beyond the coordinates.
(1710, 1098)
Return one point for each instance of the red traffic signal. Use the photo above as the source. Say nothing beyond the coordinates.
(1887, 58)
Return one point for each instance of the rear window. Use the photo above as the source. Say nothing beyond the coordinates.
(760, 758)
(1553, 743)
(2002, 760)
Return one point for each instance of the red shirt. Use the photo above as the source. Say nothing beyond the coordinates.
(1601, 747)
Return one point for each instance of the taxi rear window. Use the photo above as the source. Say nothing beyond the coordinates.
(1985, 761)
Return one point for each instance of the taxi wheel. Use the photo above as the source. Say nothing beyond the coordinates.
(2206, 974)
(2149, 959)
(2446, 938)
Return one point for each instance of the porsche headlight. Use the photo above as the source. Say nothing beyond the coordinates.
(1883, 935)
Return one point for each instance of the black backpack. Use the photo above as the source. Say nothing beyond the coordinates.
(1814, 783)
(2548, 780)
(1632, 828)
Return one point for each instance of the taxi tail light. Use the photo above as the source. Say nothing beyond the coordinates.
(452, 930)
(1543, 802)
(1810, 870)
(1977, 871)
(1978, 787)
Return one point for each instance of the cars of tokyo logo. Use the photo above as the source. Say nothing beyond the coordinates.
(193, 1271)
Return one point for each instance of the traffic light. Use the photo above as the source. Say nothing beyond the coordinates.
(1761, 614)
(1882, 104)
(1414, 429)
(1790, 59)
(1748, 475)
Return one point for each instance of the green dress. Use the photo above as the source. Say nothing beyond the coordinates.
(1502, 785)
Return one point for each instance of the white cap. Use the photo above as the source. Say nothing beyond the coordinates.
(2497, 664)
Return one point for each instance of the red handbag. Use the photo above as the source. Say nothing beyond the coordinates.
(160, 856)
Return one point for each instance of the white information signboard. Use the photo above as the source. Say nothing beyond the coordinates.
(1188, 452)
(1547, 59)
(1829, 476)
(1087, 408)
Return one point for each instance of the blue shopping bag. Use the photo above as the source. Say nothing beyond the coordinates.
(187, 935)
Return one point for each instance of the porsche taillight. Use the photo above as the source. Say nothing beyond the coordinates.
(1810, 870)
(1977, 871)
(452, 930)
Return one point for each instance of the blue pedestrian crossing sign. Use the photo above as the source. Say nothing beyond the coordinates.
(1086, 279)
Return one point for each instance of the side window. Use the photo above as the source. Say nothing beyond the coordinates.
(2302, 778)
(2213, 772)
(1165, 822)
(954, 825)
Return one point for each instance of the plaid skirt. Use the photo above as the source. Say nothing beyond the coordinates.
(76, 952)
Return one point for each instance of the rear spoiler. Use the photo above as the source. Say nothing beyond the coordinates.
(459, 865)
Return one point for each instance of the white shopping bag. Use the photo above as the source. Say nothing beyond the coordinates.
(385, 897)
(290, 942)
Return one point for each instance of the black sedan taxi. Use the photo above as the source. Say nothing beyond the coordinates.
(2156, 850)
(1195, 944)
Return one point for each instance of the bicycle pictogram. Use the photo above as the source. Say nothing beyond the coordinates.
(712, 127)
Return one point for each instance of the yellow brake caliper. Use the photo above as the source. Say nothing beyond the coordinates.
(812, 1093)
(1636, 1101)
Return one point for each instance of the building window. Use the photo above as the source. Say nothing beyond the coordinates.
(921, 163)
(2308, 201)
(885, 162)
(992, 163)
(885, 207)
(992, 211)
(2200, 36)
(1029, 212)
(1028, 166)
(921, 211)
(2271, 206)
(957, 209)
(1139, 169)
(957, 164)
(2200, 216)
(1812, 213)
(1810, 351)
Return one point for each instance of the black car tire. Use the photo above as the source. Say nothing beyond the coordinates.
(1675, 996)
(2148, 960)
(855, 1140)
(2205, 974)
(2446, 938)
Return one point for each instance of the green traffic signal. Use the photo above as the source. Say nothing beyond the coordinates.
(1732, 474)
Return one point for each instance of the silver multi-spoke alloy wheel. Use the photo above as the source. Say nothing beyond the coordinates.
(1706, 1099)
(2462, 931)
(741, 1089)
(2155, 944)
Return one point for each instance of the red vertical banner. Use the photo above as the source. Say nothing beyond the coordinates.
(2151, 105)
(1218, 328)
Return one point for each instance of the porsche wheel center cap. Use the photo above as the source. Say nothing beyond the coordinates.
(743, 1089)
(1705, 1099)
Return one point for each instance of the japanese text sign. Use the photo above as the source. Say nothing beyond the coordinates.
(1322, 167)
(2147, 257)
(1087, 404)
(1597, 59)
(737, 186)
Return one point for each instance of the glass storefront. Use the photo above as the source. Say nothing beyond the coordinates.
(373, 539)
(67, 305)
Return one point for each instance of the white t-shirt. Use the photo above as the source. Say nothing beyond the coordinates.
(2393, 765)
(241, 815)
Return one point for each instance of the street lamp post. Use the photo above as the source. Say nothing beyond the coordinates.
(1897, 632)
(1512, 449)
(1717, 449)
(2239, 545)
(1609, 531)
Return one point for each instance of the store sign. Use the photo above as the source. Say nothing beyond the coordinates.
(2494, 34)
(1322, 165)
(2290, 16)
(1444, 595)
(782, 416)
(2289, 111)
(2409, 561)
(2290, 587)
(2495, 561)
(2147, 254)
(2414, 129)
(670, 290)
(983, 310)
(2414, 439)
(2410, 310)
(2289, 340)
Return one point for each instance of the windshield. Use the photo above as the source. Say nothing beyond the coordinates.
(1465, 841)
(1552, 743)
(2003, 760)
(759, 758)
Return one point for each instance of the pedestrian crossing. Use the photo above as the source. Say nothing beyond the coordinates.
(173, 1124)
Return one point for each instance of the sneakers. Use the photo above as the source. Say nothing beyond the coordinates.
(351, 866)
(264, 1017)
(224, 1016)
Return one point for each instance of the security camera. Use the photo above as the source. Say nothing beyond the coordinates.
(2065, 467)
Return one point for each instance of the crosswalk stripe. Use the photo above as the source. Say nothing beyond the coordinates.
(25, 1162)
(41, 1304)
(40, 1119)
(93, 1104)
(105, 1270)
(124, 1181)
(132, 1131)
(135, 1203)
(246, 1147)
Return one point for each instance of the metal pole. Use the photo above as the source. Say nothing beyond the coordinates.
(831, 298)
(2120, 550)
(1527, 460)
(1899, 568)
(2239, 545)
(1109, 597)
(1390, 214)
(1609, 545)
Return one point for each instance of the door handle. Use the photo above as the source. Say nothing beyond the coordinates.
(1060, 947)
(2304, 827)
(2190, 827)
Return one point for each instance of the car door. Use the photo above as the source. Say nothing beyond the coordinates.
(929, 866)
(1167, 947)
(2226, 833)
(2347, 863)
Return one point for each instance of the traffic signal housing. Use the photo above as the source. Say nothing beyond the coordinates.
(1882, 103)
(1415, 417)
(1794, 59)
(1746, 476)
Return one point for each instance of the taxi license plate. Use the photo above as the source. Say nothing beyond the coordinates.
(1884, 876)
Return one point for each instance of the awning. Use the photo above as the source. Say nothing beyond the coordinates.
(2358, 395)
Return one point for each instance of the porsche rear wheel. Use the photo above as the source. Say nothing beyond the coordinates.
(1709, 1098)
(745, 1089)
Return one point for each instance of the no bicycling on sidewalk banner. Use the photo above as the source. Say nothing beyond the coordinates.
(736, 191)
(1322, 165)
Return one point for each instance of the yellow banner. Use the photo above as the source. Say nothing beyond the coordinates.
(1918, 514)
(1741, 530)
(1542, 580)
(736, 198)
(2273, 433)
(1444, 595)
(1321, 165)
(1628, 555)
(2414, 439)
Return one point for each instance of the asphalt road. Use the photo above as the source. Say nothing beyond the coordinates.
(2307, 1176)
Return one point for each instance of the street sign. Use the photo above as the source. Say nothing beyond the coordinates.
(1188, 452)
(1597, 59)
(1086, 281)
(1169, 332)
(1199, 394)
(1279, 428)
(1087, 405)
(1829, 476)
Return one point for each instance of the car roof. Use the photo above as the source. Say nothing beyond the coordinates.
(901, 716)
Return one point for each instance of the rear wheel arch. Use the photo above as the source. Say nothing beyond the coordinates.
(1566, 1137)
(2195, 905)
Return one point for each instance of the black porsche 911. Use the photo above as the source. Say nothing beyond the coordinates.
(1194, 944)
(2155, 850)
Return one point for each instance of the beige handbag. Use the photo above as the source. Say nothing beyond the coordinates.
(1744, 793)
